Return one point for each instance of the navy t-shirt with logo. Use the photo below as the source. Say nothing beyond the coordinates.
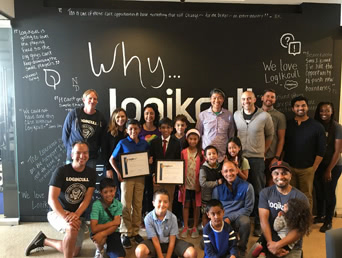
(271, 199)
(73, 185)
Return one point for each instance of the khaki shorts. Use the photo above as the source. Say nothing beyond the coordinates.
(58, 223)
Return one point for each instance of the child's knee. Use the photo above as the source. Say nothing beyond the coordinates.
(190, 252)
(141, 251)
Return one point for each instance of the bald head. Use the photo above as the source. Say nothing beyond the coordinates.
(248, 101)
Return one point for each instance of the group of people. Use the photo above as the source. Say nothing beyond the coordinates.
(229, 160)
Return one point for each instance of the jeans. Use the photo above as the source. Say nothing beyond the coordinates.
(325, 191)
(243, 226)
(257, 178)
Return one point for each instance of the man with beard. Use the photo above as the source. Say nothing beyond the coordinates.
(272, 200)
(304, 146)
(279, 123)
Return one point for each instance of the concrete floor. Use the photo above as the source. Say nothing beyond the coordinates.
(14, 240)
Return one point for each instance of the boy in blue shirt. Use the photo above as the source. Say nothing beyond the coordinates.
(162, 229)
(105, 220)
(219, 237)
(132, 189)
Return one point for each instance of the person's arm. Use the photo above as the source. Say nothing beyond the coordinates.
(231, 127)
(116, 169)
(290, 238)
(67, 129)
(86, 201)
(171, 247)
(108, 228)
(199, 125)
(243, 174)
(334, 159)
(208, 246)
(157, 247)
(269, 131)
(54, 202)
(232, 243)
(317, 161)
(280, 145)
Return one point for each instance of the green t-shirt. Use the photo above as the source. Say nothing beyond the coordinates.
(98, 213)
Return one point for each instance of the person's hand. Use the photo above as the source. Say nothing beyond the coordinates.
(227, 220)
(71, 216)
(236, 160)
(220, 181)
(198, 188)
(274, 160)
(274, 249)
(232, 256)
(154, 181)
(150, 160)
(119, 177)
(327, 175)
(280, 213)
(75, 224)
(99, 238)
(109, 173)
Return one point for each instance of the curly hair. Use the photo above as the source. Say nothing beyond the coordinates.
(298, 216)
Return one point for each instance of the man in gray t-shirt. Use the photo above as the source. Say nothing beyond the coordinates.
(271, 201)
(279, 123)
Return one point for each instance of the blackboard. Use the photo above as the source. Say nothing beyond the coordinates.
(168, 53)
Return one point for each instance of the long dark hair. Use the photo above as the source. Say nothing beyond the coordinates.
(156, 114)
(329, 127)
(237, 141)
(298, 216)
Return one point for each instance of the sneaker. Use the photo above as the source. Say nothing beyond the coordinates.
(262, 255)
(194, 232)
(257, 250)
(184, 233)
(326, 226)
(37, 242)
(126, 243)
(99, 253)
(257, 230)
(138, 239)
(318, 219)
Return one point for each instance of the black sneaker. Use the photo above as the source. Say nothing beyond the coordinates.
(37, 242)
(326, 226)
(138, 239)
(126, 243)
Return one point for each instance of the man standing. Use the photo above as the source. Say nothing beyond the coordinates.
(304, 146)
(237, 198)
(216, 124)
(70, 190)
(255, 130)
(271, 202)
(279, 123)
(85, 124)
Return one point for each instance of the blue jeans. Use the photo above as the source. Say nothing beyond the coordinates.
(325, 191)
(256, 177)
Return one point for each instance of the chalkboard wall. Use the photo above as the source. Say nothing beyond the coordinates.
(169, 53)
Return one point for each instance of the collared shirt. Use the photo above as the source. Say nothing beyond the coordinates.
(98, 212)
(163, 229)
(167, 141)
(127, 145)
(216, 129)
(279, 123)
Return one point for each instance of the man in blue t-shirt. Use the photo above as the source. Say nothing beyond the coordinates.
(271, 201)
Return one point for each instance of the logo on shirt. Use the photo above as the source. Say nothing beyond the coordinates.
(77, 179)
(74, 193)
(87, 131)
(275, 205)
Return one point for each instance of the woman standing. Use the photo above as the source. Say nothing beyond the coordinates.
(329, 171)
(116, 132)
(149, 131)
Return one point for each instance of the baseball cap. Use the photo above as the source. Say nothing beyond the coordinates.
(280, 164)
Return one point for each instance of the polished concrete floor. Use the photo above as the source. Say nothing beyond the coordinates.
(14, 239)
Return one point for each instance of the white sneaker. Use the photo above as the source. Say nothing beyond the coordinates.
(184, 233)
(99, 254)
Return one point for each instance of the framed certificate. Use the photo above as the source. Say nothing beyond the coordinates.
(134, 164)
(170, 172)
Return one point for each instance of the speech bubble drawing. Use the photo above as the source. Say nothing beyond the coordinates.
(295, 48)
(286, 39)
(290, 84)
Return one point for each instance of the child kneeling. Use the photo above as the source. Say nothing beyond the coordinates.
(162, 229)
(105, 220)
